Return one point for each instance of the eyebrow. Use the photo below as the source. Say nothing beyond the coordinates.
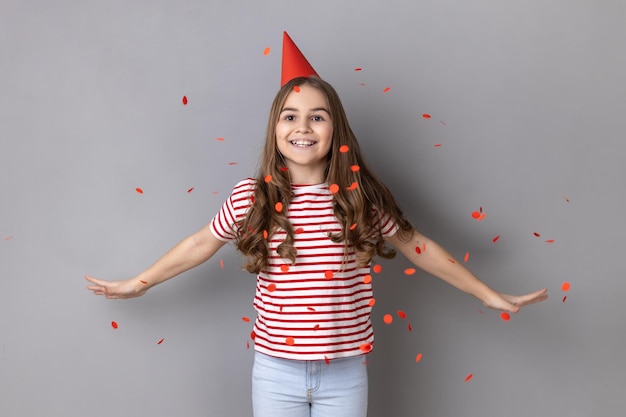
(311, 110)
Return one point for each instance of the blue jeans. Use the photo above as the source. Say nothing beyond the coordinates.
(292, 388)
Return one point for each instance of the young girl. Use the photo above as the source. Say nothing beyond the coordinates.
(309, 225)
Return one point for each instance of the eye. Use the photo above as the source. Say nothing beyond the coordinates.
(318, 118)
(290, 117)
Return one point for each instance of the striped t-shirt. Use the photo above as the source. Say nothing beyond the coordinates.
(316, 308)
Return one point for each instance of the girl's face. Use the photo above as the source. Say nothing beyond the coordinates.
(304, 134)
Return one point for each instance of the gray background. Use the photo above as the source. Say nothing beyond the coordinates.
(527, 101)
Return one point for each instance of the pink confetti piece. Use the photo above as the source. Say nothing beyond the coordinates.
(437, 145)
(8, 238)
(550, 241)
(221, 263)
(233, 163)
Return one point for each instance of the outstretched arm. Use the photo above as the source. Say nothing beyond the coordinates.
(434, 259)
(188, 253)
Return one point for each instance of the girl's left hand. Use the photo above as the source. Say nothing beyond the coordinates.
(512, 303)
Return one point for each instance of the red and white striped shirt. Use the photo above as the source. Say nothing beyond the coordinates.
(316, 308)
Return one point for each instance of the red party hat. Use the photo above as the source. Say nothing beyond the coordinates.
(294, 63)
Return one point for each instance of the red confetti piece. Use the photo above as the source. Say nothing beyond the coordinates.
(362, 84)
(246, 319)
(326, 360)
(505, 316)
(289, 341)
(114, 324)
(284, 267)
(266, 51)
(565, 286)
(387, 318)
(296, 88)
(233, 163)
(190, 190)
(328, 274)
(386, 89)
(475, 214)
(564, 298)
(418, 357)
(401, 314)
(452, 260)
(316, 327)
(252, 199)
(160, 341)
(550, 241)
(334, 188)
(426, 116)
(8, 238)
(252, 335)
(437, 145)
(466, 258)
(278, 207)
(365, 347)
(367, 279)
(408, 326)
(221, 264)
(469, 377)
(377, 268)
(418, 250)
(310, 308)
(344, 148)
(139, 190)
(299, 230)
(372, 302)
(355, 168)
(268, 178)
(185, 100)
(353, 186)
(220, 139)
(353, 226)
(358, 69)
(536, 234)
(271, 287)
(284, 169)
(247, 344)
(410, 271)
(495, 239)
(143, 282)
(442, 122)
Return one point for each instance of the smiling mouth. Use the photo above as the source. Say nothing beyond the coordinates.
(302, 143)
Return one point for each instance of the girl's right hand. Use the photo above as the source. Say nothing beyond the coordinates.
(117, 289)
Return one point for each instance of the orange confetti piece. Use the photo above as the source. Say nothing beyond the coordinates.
(299, 230)
(367, 279)
(387, 318)
(246, 319)
(495, 239)
(334, 188)
(221, 264)
(426, 116)
(353, 186)
(365, 347)
(284, 267)
(344, 148)
(296, 88)
(160, 341)
(565, 286)
(139, 190)
(114, 324)
(386, 89)
(418, 357)
(143, 282)
(284, 169)
(410, 271)
(355, 168)
(377, 268)
(265, 234)
(289, 341)
(469, 377)
(185, 101)
(271, 287)
(278, 207)
(353, 226)
(358, 69)
(267, 51)
(252, 335)
(326, 360)
(329, 274)
(372, 302)
(550, 241)
(268, 178)
(401, 314)
(505, 316)
(466, 257)
(475, 214)
(220, 139)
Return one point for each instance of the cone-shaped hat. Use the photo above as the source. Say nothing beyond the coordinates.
(294, 63)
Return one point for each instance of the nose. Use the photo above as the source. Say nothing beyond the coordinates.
(304, 126)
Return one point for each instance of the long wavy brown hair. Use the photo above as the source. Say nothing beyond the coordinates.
(360, 199)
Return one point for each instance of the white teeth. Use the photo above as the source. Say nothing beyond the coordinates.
(302, 143)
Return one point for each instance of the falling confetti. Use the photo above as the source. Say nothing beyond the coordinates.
(565, 286)
(442, 122)
(161, 341)
(246, 319)
(220, 139)
(278, 207)
(221, 263)
(495, 239)
(353, 186)
(328, 274)
(386, 89)
(550, 241)
(185, 100)
(377, 268)
(344, 148)
(326, 360)
(299, 230)
(143, 282)
(418, 357)
(388, 318)
(437, 145)
(469, 377)
(367, 279)
(233, 163)
(418, 250)
(366, 347)
(266, 51)
(566, 199)
(190, 190)
(505, 316)
(536, 234)
(284, 267)
(353, 226)
(426, 116)
(139, 190)
(271, 287)
(564, 298)
(410, 271)
(289, 341)
(452, 260)
(114, 324)
(401, 314)
(408, 326)
(355, 168)
(284, 169)
(8, 238)
(268, 178)
(265, 234)
(466, 258)
(358, 69)
(296, 88)
(372, 302)
(334, 188)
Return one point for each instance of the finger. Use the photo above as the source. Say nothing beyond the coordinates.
(94, 280)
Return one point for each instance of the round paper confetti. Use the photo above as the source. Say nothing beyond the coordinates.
(475, 214)
(367, 279)
(418, 250)
(114, 324)
(505, 316)
(160, 341)
(418, 357)
(466, 258)
(565, 286)
(372, 302)
(377, 268)
(296, 88)
(426, 116)
(265, 234)
(401, 314)
(139, 190)
(271, 287)
(299, 230)
(387, 318)
(246, 319)
(358, 69)
(268, 178)
(366, 347)
(334, 188)
(386, 89)
(355, 168)
(469, 377)
(266, 51)
(326, 360)
(328, 274)
(344, 148)
(410, 271)
(536, 234)
(185, 100)
(284, 267)
(289, 341)
(220, 139)
(278, 207)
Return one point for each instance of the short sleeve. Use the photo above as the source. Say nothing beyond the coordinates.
(234, 209)
(385, 223)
